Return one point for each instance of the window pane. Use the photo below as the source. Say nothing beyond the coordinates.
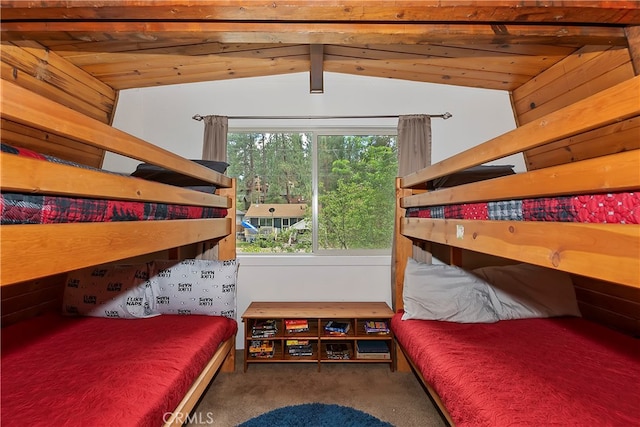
(356, 191)
(273, 173)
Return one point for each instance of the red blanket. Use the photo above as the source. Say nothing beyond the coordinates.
(600, 208)
(64, 371)
(531, 372)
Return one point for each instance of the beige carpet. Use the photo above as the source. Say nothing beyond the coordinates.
(395, 397)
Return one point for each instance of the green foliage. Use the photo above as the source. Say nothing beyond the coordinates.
(357, 194)
(287, 241)
(270, 167)
(356, 187)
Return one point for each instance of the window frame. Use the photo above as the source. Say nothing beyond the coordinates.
(315, 131)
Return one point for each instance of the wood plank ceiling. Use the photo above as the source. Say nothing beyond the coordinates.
(483, 44)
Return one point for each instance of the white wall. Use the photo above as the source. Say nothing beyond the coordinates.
(163, 116)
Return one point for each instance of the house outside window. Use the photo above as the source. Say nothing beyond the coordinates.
(315, 191)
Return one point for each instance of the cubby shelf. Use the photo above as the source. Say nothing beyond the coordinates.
(317, 315)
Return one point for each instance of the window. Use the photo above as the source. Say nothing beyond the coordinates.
(278, 173)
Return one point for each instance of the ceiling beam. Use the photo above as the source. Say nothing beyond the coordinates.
(523, 11)
(316, 53)
(314, 33)
(633, 35)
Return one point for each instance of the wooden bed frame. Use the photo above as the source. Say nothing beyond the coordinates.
(59, 248)
(224, 361)
(606, 254)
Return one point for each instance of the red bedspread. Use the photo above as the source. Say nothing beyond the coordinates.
(531, 372)
(65, 371)
(600, 208)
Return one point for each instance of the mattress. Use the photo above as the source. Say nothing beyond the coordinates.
(85, 371)
(527, 372)
(473, 174)
(599, 208)
(22, 208)
(18, 208)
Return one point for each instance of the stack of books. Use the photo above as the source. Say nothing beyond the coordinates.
(334, 327)
(264, 329)
(261, 349)
(370, 349)
(296, 325)
(376, 327)
(338, 351)
(299, 348)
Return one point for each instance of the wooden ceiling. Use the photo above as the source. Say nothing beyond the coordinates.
(484, 44)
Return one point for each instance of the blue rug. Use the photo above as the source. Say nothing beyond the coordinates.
(315, 415)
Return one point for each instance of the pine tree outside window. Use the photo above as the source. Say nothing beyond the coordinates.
(351, 173)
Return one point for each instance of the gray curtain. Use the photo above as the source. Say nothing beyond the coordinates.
(214, 146)
(414, 143)
(414, 153)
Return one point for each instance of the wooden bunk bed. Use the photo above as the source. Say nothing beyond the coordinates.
(536, 362)
(36, 257)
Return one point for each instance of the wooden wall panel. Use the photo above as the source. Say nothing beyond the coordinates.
(575, 94)
(24, 300)
(633, 38)
(49, 143)
(31, 66)
(613, 305)
(576, 77)
(615, 138)
(589, 70)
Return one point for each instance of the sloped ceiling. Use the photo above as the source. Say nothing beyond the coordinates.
(483, 44)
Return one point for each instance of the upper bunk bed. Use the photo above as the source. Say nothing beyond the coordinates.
(602, 251)
(31, 251)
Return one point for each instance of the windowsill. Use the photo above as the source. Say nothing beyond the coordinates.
(313, 260)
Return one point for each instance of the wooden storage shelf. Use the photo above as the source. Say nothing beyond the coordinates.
(317, 315)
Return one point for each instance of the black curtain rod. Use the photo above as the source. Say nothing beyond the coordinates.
(199, 117)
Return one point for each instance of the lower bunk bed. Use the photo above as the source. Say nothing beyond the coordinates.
(88, 371)
(489, 357)
(526, 372)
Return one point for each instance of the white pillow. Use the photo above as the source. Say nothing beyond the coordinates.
(444, 292)
(526, 291)
(193, 286)
(115, 291)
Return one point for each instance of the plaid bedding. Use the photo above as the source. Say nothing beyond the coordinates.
(609, 208)
(18, 208)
